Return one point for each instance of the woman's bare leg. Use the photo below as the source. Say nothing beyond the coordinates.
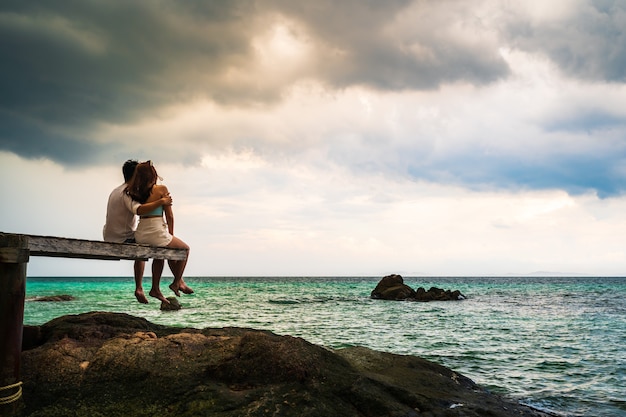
(178, 268)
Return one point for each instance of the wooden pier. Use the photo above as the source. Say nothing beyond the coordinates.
(15, 252)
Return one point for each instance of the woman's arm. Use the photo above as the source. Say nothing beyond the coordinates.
(169, 214)
(169, 218)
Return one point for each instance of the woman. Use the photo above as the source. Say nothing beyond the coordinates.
(153, 230)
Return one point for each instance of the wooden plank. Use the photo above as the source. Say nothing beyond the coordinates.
(53, 246)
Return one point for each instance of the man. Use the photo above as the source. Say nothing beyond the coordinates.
(121, 222)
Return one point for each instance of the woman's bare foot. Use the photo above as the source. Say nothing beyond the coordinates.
(175, 289)
(185, 289)
(140, 296)
(158, 295)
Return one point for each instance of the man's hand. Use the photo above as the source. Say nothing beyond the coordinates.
(166, 200)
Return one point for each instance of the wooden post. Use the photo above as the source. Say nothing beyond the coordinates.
(14, 254)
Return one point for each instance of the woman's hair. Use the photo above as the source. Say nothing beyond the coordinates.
(140, 185)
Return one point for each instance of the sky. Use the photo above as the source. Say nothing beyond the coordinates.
(325, 138)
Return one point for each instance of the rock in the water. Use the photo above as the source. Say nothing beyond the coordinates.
(392, 287)
(112, 364)
(437, 294)
(173, 304)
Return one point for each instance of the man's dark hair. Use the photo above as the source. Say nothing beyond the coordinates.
(129, 169)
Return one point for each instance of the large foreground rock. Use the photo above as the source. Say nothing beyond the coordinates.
(108, 364)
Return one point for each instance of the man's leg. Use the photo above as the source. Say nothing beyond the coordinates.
(139, 268)
(157, 270)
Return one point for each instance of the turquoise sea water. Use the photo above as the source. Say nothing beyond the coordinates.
(557, 344)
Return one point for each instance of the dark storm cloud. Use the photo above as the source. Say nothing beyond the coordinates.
(589, 44)
(30, 140)
(575, 173)
(71, 65)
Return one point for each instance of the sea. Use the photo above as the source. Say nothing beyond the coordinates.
(557, 344)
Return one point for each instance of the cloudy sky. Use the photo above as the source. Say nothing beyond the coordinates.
(351, 137)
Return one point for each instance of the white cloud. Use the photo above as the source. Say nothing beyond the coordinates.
(239, 220)
(552, 11)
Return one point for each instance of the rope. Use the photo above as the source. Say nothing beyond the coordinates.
(13, 397)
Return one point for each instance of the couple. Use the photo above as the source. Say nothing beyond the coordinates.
(141, 195)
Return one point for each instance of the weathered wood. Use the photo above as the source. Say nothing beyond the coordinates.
(14, 255)
(94, 249)
(12, 294)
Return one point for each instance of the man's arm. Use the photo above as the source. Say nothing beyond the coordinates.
(148, 207)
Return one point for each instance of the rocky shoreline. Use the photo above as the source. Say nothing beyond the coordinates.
(113, 364)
